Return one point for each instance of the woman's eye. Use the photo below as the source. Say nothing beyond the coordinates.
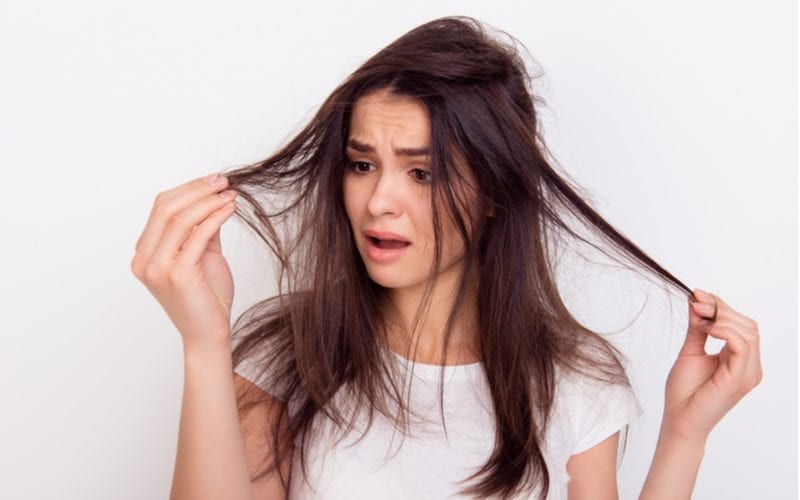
(360, 166)
(421, 175)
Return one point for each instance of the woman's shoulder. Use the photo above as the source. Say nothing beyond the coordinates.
(262, 347)
(591, 406)
(587, 386)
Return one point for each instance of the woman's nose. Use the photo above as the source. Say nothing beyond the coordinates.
(385, 196)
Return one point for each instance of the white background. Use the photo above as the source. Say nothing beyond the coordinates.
(679, 116)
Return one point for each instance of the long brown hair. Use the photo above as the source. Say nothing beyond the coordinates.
(324, 326)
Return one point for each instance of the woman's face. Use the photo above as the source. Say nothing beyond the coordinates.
(387, 189)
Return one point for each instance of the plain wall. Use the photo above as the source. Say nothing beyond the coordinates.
(679, 116)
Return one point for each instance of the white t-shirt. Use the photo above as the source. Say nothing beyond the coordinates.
(427, 465)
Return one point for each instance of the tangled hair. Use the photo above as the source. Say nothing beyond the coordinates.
(326, 324)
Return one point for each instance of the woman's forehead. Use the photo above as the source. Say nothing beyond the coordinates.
(381, 117)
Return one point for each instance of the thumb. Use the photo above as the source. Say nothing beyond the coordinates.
(214, 244)
(702, 312)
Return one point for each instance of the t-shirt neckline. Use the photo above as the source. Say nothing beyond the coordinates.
(435, 368)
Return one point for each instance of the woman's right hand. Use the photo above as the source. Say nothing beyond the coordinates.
(179, 259)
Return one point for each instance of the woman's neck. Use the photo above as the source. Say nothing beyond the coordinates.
(428, 340)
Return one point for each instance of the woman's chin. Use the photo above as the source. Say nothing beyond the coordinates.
(389, 282)
(390, 279)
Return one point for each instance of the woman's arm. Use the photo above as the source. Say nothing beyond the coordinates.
(701, 389)
(673, 470)
(217, 452)
(593, 473)
(179, 258)
(258, 423)
(210, 461)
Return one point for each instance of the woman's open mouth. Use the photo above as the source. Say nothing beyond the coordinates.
(385, 250)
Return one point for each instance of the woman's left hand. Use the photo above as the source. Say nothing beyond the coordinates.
(702, 388)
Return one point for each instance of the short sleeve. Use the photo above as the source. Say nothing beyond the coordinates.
(600, 410)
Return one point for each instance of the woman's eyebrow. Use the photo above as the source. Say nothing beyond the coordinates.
(366, 148)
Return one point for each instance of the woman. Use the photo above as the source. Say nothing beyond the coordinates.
(416, 221)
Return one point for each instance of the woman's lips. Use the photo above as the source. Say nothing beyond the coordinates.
(384, 235)
(385, 250)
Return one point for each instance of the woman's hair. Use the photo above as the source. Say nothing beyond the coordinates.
(326, 325)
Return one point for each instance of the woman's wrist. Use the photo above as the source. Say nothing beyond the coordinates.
(207, 349)
(671, 437)
(672, 444)
(677, 435)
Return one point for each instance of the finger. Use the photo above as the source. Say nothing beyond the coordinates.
(170, 202)
(696, 334)
(202, 237)
(215, 243)
(746, 327)
(725, 313)
(181, 225)
(704, 310)
(738, 349)
(742, 352)
(705, 304)
(722, 307)
(161, 201)
(721, 314)
(743, 326)
(742, 373)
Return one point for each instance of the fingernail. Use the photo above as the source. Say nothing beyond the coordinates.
(706, 308)
(702, 295)
(215, 180)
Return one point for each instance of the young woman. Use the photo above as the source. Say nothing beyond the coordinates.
(418, 346)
